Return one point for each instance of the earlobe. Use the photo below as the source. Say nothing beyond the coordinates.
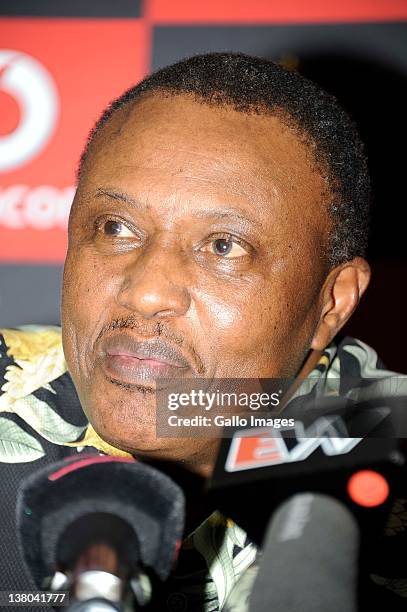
(340, 296)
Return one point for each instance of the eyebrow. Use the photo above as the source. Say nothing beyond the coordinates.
(119, 195)
(201, 214)
(224, 214)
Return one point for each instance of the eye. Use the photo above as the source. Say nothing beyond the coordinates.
(225, 247)
(112, 227)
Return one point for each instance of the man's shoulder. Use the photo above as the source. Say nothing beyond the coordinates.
(360, 359)
(31, 353)
(357, 365)
(31, 358)
(39, 406)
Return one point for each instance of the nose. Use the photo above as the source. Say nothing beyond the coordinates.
(155, 284)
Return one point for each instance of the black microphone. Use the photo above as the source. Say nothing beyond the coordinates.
(310, 558)
(260, 468)
(349, 452)
(104, 528)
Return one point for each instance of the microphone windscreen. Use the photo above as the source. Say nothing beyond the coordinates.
(143, 510)
(310, 558)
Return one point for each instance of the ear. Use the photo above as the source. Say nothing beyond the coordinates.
(340, 295)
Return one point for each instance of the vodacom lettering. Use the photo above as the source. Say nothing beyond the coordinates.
(42, 207)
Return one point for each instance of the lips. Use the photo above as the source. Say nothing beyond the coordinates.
(130, 361)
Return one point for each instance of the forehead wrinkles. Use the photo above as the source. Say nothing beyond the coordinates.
(257, 155)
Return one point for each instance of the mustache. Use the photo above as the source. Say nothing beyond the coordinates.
(160, 336)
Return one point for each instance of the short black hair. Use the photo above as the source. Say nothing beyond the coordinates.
(256, 85)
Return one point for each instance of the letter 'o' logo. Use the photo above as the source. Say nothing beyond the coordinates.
(31, 85)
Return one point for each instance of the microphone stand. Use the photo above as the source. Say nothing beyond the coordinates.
(99, 582)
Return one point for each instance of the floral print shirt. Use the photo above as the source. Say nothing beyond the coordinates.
(41, 420)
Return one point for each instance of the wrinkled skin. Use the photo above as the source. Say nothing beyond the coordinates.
(175, 176)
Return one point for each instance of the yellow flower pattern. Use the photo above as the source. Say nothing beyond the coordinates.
(32, 362)
(91, 438)
(38, 357)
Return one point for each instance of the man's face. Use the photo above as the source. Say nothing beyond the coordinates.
(195, 250)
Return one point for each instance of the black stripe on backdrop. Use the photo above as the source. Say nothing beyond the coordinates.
(70, 8)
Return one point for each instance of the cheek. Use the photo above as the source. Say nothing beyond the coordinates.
(255, 329)
(218, 312)
(86, 295)
(87, 286)
(235, 320)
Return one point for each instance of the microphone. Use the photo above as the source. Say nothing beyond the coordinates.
(310, 557)
(104, 528)
(258, 469)
(349, 453)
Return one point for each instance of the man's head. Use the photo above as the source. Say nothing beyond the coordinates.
(218, 230)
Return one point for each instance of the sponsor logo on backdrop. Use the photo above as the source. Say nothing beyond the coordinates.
(49, 100)
(32, 87)
(29, 84)
(43, 207)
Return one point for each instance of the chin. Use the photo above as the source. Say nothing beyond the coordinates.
(125, 435)
(127, 421)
